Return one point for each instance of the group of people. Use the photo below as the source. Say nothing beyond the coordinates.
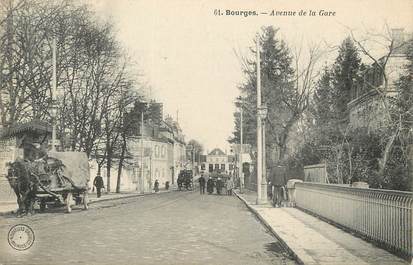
(217, 183)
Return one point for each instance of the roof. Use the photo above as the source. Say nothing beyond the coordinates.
(217, 152)
(34, 126)
(165, 127)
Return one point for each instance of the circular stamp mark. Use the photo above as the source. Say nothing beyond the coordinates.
(20, 237)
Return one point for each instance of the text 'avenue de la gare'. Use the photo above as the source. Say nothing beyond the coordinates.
(276, 13)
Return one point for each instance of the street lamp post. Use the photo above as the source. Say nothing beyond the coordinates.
(53, 96)
(261, 115)
(264, 155)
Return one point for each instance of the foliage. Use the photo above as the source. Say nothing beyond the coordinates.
(197, 150)
(378, 157)
(285, 91)
(96, 89)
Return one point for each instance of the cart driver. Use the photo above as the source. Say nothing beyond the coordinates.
(33, 152)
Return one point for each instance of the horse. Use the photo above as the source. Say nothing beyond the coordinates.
(24, 186)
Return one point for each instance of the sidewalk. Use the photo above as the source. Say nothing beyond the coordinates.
(313, 241)
(7, 207)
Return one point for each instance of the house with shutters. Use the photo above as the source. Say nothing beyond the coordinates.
(218, 161)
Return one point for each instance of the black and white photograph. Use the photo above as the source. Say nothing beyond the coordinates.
(198, 132)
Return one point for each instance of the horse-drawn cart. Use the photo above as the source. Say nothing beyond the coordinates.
(68, 183)
(49, 178)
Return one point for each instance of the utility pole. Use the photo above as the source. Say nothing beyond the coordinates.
(54, 89)
(177, 115)
(193, 160)
(142, 153)
(193, 167)
(259, 129)
(240, 166)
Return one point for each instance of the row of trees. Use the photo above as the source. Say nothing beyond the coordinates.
(308, 120)
(99, 99)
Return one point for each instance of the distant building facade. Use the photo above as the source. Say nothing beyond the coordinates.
(218, 161)
(158, 153)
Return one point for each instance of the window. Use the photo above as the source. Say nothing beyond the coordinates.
(156, 151)
(216, 167)
(223, 167)
(211, 167)
(163, 152)
(202, 166)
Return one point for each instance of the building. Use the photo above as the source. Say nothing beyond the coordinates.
(158, 153)
(218, 161)
(179, 147)
(12, 142)
(367, 106)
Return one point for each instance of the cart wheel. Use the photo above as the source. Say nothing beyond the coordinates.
(42, 205)
(85, 200)
(68, 202)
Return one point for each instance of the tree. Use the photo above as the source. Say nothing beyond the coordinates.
(285, 91)
(196, 149)
(346, 71)
(378, 156)
(396, 109)
(92, 76)
(329, 111)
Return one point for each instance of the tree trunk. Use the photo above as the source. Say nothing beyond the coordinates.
(120, 166)
(410, 161)
(386, 153)
(108, 167)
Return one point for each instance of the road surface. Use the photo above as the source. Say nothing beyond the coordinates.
(171, 228)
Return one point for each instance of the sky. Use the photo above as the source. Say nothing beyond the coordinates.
(190, 57)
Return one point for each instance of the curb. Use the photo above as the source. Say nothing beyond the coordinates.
(103, 200)
(6, 213)
(128, 196)
(268, 226)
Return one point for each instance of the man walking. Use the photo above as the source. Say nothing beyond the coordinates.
(201, 185)
(210, 186)
(230, 186)
(219, 186)
(278, 180)
(98, 183)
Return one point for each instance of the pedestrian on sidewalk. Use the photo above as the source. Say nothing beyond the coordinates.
(278, 180)
(210, 186)
(230, 186)
(219, 186)
(201, 184)
(98, 183)
(156, 186)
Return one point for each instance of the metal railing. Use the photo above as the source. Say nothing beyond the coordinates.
(384, 216)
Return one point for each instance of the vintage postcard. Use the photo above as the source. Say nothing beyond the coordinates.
(206, 132)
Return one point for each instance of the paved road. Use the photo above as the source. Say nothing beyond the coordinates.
(172, 228)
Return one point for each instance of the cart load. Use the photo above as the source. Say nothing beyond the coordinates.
(75, 168)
